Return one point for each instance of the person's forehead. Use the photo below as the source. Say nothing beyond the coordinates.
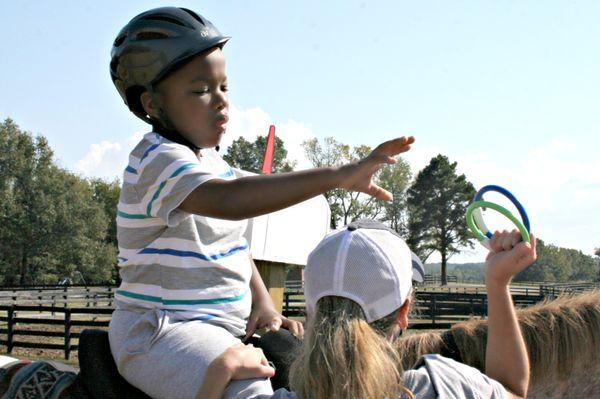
(205, 66)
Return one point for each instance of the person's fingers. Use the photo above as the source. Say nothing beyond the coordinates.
(516, 237)
(267, 371)
(294, 329)
(301, 329)
(496, 242)
(250, 328)
(275, 324)
(263, 360)
(381, 194)
(524, 254)
(506, 241)
(395, 146)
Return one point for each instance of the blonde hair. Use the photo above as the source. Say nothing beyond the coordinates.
(342, 356)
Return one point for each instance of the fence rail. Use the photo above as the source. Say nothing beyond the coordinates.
(67, 321)
(65, 310)
(451, 304)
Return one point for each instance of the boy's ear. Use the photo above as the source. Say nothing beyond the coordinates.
(149, 103)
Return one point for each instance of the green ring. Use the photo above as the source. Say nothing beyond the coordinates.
(500, 209)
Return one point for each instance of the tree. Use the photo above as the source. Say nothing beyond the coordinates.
(557, 264)
(51, 226)
(106, 194)
(395, 178)
(437, 202)
(597, 253)
(249, 156)
(345, 206)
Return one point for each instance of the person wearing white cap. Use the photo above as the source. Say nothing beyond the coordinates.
(358, 286)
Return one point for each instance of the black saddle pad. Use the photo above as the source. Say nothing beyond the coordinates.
(100, 377)
(98, 371)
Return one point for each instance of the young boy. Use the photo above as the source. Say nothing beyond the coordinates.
(190, 289)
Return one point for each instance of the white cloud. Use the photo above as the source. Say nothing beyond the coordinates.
(558, 183)
(99, 158)
(253, 122)
(108, 159)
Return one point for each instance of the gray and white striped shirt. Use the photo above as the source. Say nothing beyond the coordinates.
(196, 266)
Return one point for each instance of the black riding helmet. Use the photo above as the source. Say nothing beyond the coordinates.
(153, 44)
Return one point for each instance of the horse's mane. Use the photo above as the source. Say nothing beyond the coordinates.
(562, 338)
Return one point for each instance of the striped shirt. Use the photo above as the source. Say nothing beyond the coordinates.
(196, 266)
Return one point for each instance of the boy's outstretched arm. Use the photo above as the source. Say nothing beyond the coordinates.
(506, 354)
(258, 195)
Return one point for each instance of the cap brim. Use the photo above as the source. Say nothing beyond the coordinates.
(417, 268)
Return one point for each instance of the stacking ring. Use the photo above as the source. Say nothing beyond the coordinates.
(478, 216)
(484, 239)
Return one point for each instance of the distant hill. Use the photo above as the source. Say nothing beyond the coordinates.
(465, 272)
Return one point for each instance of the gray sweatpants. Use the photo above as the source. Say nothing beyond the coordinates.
(166, 357)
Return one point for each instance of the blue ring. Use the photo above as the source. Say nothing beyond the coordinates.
(512, 198)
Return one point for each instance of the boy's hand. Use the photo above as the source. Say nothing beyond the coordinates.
(264, 315)
(358, 176)
(508, 256)
(242, 362)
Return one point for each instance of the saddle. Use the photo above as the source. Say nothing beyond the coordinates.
(101, 379)
(98, 372)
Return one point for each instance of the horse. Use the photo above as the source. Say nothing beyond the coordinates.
(562, 338)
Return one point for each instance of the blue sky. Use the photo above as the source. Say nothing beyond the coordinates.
(509, 90)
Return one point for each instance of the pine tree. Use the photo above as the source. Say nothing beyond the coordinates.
(437, 202)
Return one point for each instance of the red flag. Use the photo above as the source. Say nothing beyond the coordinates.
(269, 152)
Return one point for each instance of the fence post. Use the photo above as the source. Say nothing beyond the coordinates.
(110, 296)
(40, 298)
(433, 309)
(9, 332)
(287, 302)
(67, 333)
(87, 297)
(65, 296)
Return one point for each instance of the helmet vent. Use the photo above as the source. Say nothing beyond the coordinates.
(194, 15)
(151, 35)
(164, 18)
(114, 63)
(119, 40)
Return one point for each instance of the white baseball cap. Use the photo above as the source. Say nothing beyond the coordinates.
(366, 262)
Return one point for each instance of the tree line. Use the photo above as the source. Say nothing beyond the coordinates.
(56, 224)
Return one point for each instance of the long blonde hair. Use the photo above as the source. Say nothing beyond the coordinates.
(343, 357)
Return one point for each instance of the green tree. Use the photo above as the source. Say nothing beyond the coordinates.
(106, 194)
(557, 264)
(597, 253)
(345, 206)
(437, 202)
(395, 178)
(249, 156)
(51, 226)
